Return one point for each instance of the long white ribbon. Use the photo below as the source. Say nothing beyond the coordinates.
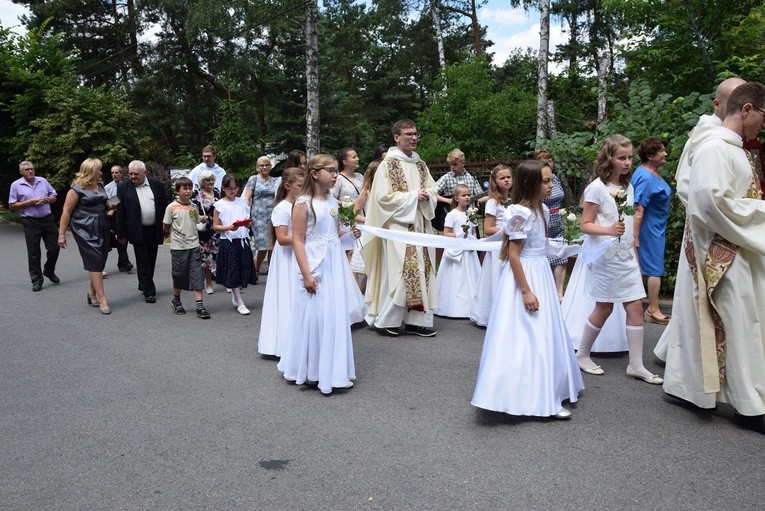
(556, 248)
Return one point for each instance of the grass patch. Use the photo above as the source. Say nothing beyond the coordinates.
(11, 216)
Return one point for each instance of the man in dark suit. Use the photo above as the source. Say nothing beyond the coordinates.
(139, 220)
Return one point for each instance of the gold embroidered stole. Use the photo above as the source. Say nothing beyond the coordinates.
(719, 257)
(411, 269)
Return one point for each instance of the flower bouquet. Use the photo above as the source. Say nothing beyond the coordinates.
(472, 220)
(572, 232)
(620, 198)
(345, 211)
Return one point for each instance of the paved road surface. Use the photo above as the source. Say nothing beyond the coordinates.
(147, 410)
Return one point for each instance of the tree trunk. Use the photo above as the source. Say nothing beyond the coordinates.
(544, 45)
(434, 12)
(132, 28)
(476, 29)
(475, 25)
(699, 38)
(312, 79)
(603, 66)
(551, 128)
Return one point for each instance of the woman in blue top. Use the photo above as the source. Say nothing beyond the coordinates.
(652, 196)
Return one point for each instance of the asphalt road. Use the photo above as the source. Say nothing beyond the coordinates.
(147, 410)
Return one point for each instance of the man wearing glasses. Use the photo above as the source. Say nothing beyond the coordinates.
(401, 288)
(139, 220)
(716, 350)
(32, 196)
(208, 163)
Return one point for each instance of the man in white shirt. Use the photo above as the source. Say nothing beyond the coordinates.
(208, 163)
(139, 220)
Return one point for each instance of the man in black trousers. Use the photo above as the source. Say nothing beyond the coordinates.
(32, 196)
(139, 221)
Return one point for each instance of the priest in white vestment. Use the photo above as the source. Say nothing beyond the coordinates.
(716, 352)
(698, 135)
(401, 279)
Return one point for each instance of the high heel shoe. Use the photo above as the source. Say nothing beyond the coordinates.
(650, 317)
(92, 302)
(106, 311)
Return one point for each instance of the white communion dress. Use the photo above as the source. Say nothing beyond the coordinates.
(318, 344)
(528, 366)
(482, 301)
(458, 273)
(277, 300)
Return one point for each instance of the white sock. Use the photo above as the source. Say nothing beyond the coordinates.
(589, 334)
(237, 295)
(635, 344)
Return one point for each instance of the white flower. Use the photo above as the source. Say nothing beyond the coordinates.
(571, 217)
(620, 193)
(472, 211)
(346, 201)
(562, 212)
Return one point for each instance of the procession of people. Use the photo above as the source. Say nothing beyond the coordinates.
(321, 222)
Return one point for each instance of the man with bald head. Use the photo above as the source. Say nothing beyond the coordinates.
(139, 221)
(716, 352)
(699, 134)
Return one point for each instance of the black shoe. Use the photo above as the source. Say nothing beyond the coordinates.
(126, 269)
(151, 299)
(388, 332)
(36, 286)
(52, 277)
(422, 331)
(753, 422)
(202, 313)
(176, 306)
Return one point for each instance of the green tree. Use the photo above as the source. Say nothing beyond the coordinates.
(235, 139)
(30, 65)
(102, 33)
(681, 46)
(82, 122)
(471, 115)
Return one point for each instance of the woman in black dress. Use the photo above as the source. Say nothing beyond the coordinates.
(85, 207)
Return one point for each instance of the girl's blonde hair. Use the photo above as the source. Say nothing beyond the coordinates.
(495, 192)
(455, 192)
(289, 176)
(315, 164)
(607, 151)
(526, 187)
(88, 174)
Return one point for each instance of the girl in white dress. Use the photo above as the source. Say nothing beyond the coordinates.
(277, 299)
(494, 220)
(326, 300)
(231, 219)
(576, 305)
(457, 278)
(528, 365)
(614, 277)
